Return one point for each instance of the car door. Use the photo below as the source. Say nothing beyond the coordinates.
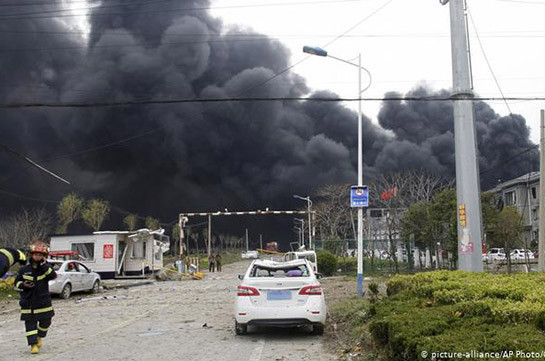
(73, 273)
(86, 277)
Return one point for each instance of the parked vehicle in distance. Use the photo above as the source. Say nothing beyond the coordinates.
(250, 255)
(496, 254)
(521, 254)
(280, 294)
(272, 246)
(72, 276)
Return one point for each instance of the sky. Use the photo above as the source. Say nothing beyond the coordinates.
(407, 43)
(246, 155)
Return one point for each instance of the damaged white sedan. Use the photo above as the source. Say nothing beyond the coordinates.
(280, 294)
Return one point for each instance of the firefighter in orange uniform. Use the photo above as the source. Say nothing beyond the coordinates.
(36, 308)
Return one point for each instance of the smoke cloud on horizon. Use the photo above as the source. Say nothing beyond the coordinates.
(208, 156)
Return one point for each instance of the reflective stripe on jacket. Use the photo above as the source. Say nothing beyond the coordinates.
(36, 301)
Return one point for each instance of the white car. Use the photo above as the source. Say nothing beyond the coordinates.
(72, 276)
(496, 254)
(280, 294)
(250, 255)
(521, 254)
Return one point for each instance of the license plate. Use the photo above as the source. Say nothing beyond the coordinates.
(278, 295)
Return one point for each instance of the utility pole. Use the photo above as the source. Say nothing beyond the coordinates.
(541, 247)
(260, 241)
(465, 139)
(246, 239)
(209, 235)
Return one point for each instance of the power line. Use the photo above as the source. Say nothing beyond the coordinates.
(254, 99)
(183, 10)
(523, 2)
(494, 34)
(80, 9)
(488, 63)
(506, 161)
(257, 85)
(31, 162)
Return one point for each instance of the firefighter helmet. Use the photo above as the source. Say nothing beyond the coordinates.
(39, 247)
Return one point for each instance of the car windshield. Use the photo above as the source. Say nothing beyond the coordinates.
(56, 265)
(283, 272)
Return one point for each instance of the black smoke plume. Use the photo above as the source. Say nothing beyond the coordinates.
(205, 157)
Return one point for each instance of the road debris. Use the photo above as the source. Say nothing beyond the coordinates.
(102, 298)
(171, 274)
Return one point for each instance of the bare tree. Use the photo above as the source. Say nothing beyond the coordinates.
(333, 213)
(95, 213)
(68, 211)
(395, 193)
(21, 228)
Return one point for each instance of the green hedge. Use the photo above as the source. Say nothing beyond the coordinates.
(460, 312)
(327, 262)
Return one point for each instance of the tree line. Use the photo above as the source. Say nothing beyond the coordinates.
(416, 209)
(20, 228)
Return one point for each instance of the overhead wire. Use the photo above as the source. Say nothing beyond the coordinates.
(163, 127)
(489, 64)
(157, 11)
(247, 90)
(254, 99)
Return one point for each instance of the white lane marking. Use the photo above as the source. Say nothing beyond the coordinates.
(258, 350)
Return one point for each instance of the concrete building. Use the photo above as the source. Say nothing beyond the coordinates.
(523, 193)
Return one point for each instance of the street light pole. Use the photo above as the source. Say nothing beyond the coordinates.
(309, 205)
(321, 52)
(360, 183)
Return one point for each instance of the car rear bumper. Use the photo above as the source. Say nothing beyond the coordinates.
(312, 312)
(280, 322)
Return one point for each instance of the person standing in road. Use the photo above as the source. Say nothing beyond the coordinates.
(9, 257)
(211, 262)
(218, 262)
(36, 308)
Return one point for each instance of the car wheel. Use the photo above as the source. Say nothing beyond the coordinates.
(318, 329)
(241, 329)
(66, 291)
(96, 287)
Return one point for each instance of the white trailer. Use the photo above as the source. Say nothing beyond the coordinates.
(117, 254)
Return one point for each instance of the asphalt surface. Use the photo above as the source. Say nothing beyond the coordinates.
(186, 320)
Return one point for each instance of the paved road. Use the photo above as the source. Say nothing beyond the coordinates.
(190, 320)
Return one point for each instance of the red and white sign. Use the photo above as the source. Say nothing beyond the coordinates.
(108, 251)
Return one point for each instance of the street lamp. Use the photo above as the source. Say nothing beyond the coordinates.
(321, 52)
(301, 231)
(309, 204)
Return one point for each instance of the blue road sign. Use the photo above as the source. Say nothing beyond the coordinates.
(359, 196)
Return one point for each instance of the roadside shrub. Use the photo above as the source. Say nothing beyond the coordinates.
(347, 264)
(460, 312)
(327, 262)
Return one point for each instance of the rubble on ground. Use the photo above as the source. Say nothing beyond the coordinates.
(169, 273)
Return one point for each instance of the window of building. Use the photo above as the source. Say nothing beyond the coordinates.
(534, 192)
(139, 249)
(86, 250)
(535, 214)
(510, 198)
